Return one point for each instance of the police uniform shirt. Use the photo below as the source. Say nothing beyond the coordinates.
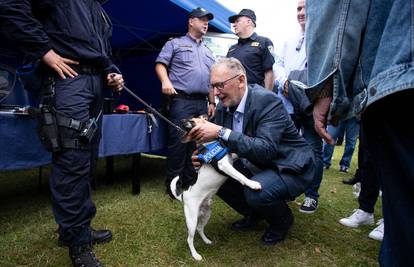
(255, 53)
(188, 64)
(79, 30)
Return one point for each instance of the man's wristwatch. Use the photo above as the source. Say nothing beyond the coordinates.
(221, 132)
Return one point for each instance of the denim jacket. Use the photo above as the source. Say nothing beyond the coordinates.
(366, 46)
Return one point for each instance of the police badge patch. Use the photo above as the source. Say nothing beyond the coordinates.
(270, 47)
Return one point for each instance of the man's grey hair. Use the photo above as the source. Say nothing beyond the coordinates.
(232, 64)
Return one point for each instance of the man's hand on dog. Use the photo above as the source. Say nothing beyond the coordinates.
(204, 132)
(195, 160)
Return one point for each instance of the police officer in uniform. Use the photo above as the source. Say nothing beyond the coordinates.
(252, 50)
(183, 68)
(71, 40)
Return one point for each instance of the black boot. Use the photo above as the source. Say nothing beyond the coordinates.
(97, 237)
(83, 256)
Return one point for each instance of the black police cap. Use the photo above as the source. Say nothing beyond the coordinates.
(199, 13)
(244, 13)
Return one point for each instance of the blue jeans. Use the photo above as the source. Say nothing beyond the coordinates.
(351, 128)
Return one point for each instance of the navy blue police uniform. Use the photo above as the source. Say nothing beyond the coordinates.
(255, 54)
(78, 30)
(188, 63)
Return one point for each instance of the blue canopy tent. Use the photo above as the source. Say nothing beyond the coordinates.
(140, 29)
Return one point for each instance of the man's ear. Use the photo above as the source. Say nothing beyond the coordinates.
(242, 80)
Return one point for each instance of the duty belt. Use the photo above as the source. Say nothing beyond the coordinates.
(86, 69)
(195, 96)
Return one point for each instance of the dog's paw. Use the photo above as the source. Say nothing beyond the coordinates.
(208, 241)
(197, 257)
(254, 185)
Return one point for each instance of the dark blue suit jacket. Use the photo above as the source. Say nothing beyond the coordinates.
(270, 139)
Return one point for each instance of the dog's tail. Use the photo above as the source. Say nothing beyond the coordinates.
(173, 188)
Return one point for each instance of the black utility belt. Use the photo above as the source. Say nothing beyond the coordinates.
(86, 69)
(196, 96)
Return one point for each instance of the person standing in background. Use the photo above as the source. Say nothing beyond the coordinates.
(252, 50)
(183, 68)
(291, 65)
(361, 63)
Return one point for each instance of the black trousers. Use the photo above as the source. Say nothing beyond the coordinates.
(366, 172)
(179, 154)
(390, 141)
(79, 98)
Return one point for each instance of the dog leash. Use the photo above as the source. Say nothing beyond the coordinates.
(153, 110)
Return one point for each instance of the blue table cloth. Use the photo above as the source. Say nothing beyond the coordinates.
(20, 146)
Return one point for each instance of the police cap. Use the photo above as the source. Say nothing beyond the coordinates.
(199, 13)
(244, 13)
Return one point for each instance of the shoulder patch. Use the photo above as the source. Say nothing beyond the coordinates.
(270, 47)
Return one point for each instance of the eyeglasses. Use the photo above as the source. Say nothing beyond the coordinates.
(220, 85)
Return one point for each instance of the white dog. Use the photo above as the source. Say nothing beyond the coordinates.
(197, 199)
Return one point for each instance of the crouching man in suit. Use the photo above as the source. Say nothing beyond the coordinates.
(253, 123)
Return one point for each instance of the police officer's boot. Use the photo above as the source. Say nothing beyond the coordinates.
(83, 256)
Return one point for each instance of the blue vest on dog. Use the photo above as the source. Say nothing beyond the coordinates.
(213, 151)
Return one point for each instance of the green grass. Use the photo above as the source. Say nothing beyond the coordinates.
(149, 229)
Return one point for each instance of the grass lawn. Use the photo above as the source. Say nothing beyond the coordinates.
(149, 229)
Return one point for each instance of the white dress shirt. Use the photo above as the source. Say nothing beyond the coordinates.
(291, 57)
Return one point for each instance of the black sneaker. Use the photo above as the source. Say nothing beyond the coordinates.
(309, 205)
(83, 256)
